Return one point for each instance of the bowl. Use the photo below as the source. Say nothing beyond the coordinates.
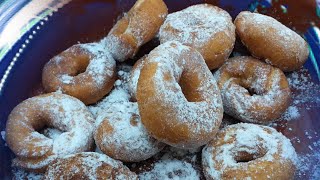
(32, 32)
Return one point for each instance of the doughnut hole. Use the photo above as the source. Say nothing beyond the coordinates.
(246, 156)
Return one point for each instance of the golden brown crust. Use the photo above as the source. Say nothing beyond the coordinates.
(35, 151)
(248, 151)
(268, 39)
(137, 27)
(85, 71)
(88, 165)
(178, 99)
(204, 27)
(239, 77)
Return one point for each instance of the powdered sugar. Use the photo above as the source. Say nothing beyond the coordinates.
(262, 142)
(19, 174)
(90, 166)
(308, 166)
(118, 95)
(102, 64)
(100, 68)
(196, 25)
(66, 79)
(171, 169)
(128, 136)
(305, 94)
(3, 135)
(134, 77)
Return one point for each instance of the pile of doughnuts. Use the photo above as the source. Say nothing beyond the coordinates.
(170, 97)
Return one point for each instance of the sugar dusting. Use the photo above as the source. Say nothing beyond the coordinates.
(100, 67)
(309, 165)
(305, 94)
(196, 25)
(171, 169)
(20, 174)
(129, 137)
(3, 135)
(248, 138)
(89, 165)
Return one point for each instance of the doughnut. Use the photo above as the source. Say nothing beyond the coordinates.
(35, 151)
(121, 135)
(119, 131)
(178, 99)
(135, 28)
(271, 41)
(253, 91)
(134, 76)
(249, 151)
(88, 165)
(85, 71)
(204, 27)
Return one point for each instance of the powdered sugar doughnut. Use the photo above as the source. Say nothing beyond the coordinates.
(135, 28)
(85, 71)
(248, 151)
(253, 91)
(119, 131)
(35, 151)
(268, 39)
(121, 134)
(204, 27)
(134, 77)
(170, 169)
(178, 99)
(88, 165)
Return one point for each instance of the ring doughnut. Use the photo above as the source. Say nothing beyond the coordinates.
(249, 151)
(135, 28)
(88, 165)
(85, 71)
(268, 39)
(253, 91)
(178, 98)
(204, 27)
(35, 151)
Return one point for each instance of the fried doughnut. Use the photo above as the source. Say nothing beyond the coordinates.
(88, 165)
(35, 151)
(253, 91)
(178, 98)
(135, 28)
(134, 76)
(119, 131)
(248, 151)
(204, 27)
(268, 39)
(85, 71)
